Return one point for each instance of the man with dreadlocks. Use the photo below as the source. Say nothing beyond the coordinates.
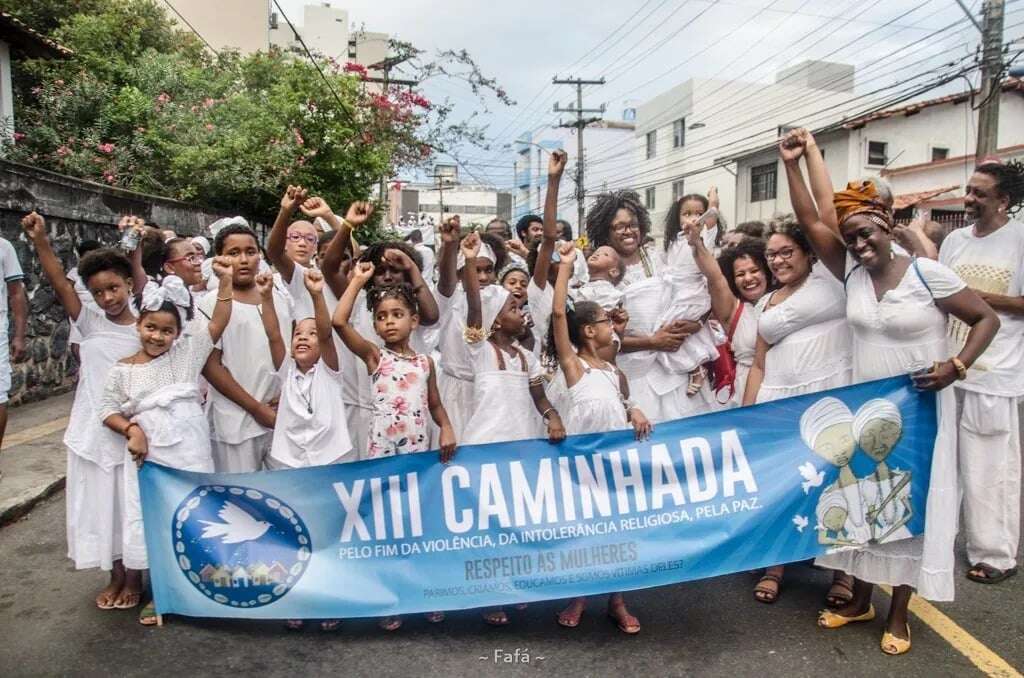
(989, 255)
(620, 221)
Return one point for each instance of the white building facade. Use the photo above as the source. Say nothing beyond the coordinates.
(473, 204)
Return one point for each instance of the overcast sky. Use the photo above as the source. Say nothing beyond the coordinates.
(644, 48)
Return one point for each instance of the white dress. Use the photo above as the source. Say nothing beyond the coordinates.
(903, 332)
(162, 397)
(455, 381)
(595, 402)
(809, 339)
(744, 346)
(503, 407)
(95, 487)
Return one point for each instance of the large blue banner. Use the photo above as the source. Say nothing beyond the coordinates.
(524, 521)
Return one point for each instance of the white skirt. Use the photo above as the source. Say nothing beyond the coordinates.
(94, 498)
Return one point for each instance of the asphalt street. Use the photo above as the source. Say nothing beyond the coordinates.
(50, 626)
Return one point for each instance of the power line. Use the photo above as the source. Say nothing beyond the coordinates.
(193, 29)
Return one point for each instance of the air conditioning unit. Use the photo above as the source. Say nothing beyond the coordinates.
(273, 20)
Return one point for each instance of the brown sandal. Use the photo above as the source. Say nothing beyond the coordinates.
(841, 591)
(763, 593)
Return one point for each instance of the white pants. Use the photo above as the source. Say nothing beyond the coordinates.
(244, 457)
(990, 467)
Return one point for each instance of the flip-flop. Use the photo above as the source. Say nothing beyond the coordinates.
(769, 595)
(294, 624)
(147, 615)
(496, 618)
(126, 606)
(434, 617)
(628, 629)
(328, 625)
(569, 621)
(993, 575)
(390, 623)
(109, 605)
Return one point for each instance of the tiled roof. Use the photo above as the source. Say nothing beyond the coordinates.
(911, 199)
(1009, 85)
(33, 43)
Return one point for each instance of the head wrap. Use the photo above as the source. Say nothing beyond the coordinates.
(879, 408)
(822, 415)
(485, 253)
(862, 198)
(492, 300)
(202, 242)
(226, 221)
(513, 265)
(172, 289)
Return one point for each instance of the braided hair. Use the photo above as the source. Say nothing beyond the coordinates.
(1009, 178)
(602, 214)
(577, 315)
(403, 293)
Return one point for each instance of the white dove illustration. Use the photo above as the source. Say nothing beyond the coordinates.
(238, 526)
(812, 476)
(800, 522)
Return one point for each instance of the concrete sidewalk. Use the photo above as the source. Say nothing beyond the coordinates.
(32, 459)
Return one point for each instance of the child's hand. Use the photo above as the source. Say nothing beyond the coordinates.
(265, 415)
(315, 207)
(34, 226)
(134, 223)
(362, 273)
(470, 245)
(620, 319)
(518, 247)
(314, 281)
(556, 431)
(691, 229)
(398, 259)
(293, 197)
(713, 196)
(138, 446)
(447, 442)
(567, 254)
(358, 213)
(223, 266)
(641, 424)
(556, 163)
(265, 285)
(450, 230)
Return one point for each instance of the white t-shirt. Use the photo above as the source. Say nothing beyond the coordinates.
(10, 269)
(429, 258)
(311, 428)
(541, 302)
(246, 354)
(302, 302)
(993, 264)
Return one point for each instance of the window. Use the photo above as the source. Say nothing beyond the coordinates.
(649, 198)
(652, 143)
(763, 179)
(878, 153)
(678, 191)
(939, 153)
(679, 133)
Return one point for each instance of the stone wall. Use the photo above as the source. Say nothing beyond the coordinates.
(74, 210)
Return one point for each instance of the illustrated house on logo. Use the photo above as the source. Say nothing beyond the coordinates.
(260, 574)
(206, 574)
(277, 573)
(221, 577)
(240, 577)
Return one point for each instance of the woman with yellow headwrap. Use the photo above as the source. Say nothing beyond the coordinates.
(897, 308)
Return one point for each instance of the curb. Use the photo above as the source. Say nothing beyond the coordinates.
(19, 509)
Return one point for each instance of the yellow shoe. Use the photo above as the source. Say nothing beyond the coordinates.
(892, 645)
(828, 619)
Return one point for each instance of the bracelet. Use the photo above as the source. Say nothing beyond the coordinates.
(961, 369)
(346, 222)
(128, 428)
(228, 298)
(545, 413)
(474, 335)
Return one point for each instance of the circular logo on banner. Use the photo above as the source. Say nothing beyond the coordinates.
(241, 547)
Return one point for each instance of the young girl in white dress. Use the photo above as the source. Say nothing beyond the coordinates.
(897, 308)
(95, 486)
(152, 398)
(803, 346)
(403, 382)
(599, 395)
(507, 378)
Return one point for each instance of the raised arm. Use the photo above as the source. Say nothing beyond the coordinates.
(359, 345)
(567, 358)
(225, 294)
(425, 301)
(265, 287)
(358, 213)
(470, 247)
(556, 165)
(292, 198)
(315, 286)
(448, 260)
(35, 229)
(139, 276)
(823, 238)
(723, 301)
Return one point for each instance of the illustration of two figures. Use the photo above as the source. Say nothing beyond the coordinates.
(855, 511)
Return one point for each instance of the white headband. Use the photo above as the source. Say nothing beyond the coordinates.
(485, 253)
(172, 289)
(821, 415)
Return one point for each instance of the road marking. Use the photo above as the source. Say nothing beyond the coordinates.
(987, 661)
(36, 432)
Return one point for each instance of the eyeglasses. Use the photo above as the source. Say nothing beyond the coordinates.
(602, 320)
(785, 254)
(190, 258)
(622, 228)
(297, 237)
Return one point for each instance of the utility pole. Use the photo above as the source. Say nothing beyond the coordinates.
(386, 66)
(579, 124)
(991, 84)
